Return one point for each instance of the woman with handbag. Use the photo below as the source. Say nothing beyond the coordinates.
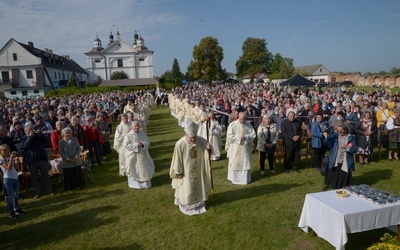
(365, 134)
(267, 139)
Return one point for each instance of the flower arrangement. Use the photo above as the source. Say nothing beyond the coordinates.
(388, 242)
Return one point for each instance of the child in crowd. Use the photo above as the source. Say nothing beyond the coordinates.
(10, 180)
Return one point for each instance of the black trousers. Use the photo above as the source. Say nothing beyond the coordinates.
(264, 156)
(292, 156)
(319, 154)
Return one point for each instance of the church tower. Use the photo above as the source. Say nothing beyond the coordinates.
(135, 39)
(111, 38)
(97, 46)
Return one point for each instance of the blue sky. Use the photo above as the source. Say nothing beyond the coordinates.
(343, 35)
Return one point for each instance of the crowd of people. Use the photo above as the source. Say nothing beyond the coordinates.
(32, 130)
(338, 121)
(252, 116)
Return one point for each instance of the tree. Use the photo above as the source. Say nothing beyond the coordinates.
(188, 77)
(176, 70)
(255, 58)
(395, 71)
(118, 75)
(72, 82)
(281, 67)
(207, 58)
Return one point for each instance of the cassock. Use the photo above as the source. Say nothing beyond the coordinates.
(191, 160)
(138, 165)
(239, 152)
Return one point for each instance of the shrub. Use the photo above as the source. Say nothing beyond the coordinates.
(388, 242)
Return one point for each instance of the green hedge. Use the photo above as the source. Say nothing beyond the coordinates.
(90, 90)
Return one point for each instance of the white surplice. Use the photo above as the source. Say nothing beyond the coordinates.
(138, 165)
(120, 132)
(239, 152)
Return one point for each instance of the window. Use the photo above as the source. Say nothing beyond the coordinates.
(59, 75)
(29, 74)
(141, 59)
(97, 60)
(55, 75)
(13, 92)
(63, 75)
(120, 64)
(15, 57)
(320, 70)
(24, 92)
(36, 91)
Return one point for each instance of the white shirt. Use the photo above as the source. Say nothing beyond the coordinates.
(8, 174)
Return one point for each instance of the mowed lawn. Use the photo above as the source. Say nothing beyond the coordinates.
(109, 215)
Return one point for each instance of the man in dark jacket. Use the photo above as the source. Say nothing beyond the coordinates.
(292, 132)
(36, 158)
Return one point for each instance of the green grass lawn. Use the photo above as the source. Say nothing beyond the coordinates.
(109, 215)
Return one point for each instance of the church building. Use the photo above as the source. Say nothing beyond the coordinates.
(135, 59)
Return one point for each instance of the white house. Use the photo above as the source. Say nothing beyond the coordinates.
(32, 72)
(258, 77)
(315, 73)
(135, 60)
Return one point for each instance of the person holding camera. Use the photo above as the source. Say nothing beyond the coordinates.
(41, 127)
(10, 180)
(4, 139)
(36, 158)
(320, 130)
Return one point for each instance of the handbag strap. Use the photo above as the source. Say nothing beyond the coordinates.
(265, 136)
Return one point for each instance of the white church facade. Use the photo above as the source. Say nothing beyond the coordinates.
(135, 60)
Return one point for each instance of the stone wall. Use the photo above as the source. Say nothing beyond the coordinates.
(359, 80)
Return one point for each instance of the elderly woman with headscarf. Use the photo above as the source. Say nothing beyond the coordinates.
(365, 132)
(70, 152)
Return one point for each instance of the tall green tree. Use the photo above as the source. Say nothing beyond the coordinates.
(281, 67)
(118, 75)
(188, 77)
(255, 58)
(395, 71)
(207, 58)
(72, 82)
(176, 70)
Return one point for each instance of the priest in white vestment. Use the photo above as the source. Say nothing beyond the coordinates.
(120, 132)
(138, 165)
(190, 172)
(239, 146)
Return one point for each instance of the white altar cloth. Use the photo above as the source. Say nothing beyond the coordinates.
(332, 217)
